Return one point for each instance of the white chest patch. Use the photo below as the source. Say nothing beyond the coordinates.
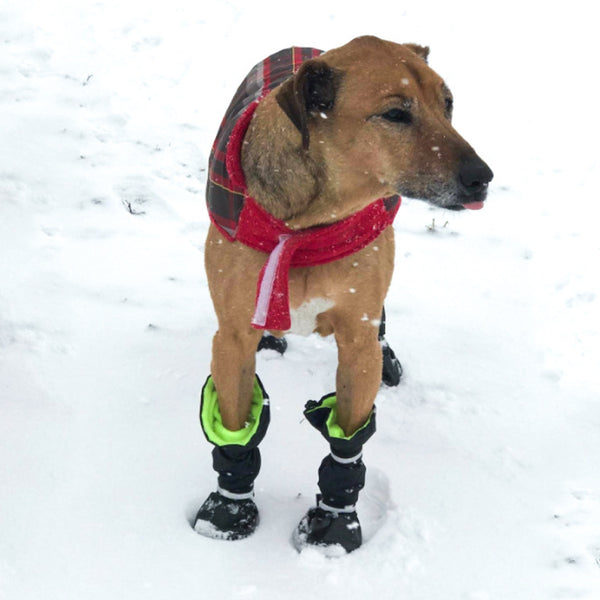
(304, 318)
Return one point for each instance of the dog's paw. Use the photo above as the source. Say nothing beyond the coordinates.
(333, 534)
(226, 519)
(333, 537)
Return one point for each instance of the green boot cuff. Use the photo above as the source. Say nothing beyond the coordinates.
(323, 416)
(212, 423)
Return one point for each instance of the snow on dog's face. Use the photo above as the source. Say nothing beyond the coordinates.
(381, 118)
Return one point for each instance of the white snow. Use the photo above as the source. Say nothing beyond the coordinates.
(483, 479)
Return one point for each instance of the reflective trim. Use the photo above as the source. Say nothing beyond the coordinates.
(347, 509)
(346, 461)
(234, 496)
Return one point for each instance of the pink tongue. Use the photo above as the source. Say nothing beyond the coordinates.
(474, 205)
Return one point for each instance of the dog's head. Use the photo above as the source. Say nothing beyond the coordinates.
(382, 120)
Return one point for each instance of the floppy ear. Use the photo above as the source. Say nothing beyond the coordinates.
(420, 51)
(312, 89)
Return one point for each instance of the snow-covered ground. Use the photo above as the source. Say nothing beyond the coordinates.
(483, 479)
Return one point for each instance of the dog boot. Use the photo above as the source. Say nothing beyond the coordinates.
(270, 342)
(335, 532)
(230, 512)
(333, 524)
(227, 518)
(391, 370)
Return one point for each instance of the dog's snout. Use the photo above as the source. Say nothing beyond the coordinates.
(474, 175)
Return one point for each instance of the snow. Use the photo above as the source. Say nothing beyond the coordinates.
(482, 480)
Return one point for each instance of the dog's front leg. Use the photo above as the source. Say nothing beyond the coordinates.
(233, 370)
(232, 271)
(358, 374)
(234, 411)
(234, 415)
(346, 420)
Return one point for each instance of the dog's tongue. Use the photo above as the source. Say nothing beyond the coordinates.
(474, 205)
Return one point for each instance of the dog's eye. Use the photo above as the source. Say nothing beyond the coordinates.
(397, 115)
(449, 105)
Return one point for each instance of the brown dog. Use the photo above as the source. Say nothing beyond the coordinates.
(364, 122)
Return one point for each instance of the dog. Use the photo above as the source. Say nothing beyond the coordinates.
(306, 176)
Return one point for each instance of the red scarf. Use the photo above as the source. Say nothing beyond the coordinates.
(289, 248)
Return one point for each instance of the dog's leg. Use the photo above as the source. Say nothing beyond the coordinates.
(232, 271)
(358, 374)
(391, 371)
(233, 369)
(234, 415)
(235, 410)
(347, 420)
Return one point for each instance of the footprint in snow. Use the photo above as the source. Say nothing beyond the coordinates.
(374, 503)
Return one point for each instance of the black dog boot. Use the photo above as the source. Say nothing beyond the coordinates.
(270, 342)
(333, 526)
(334, 532)
(230, 513)
(226, 518)
(391, 370)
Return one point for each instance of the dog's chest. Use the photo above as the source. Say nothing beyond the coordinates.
(304, 318)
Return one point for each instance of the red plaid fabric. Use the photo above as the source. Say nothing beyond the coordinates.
(224, 198)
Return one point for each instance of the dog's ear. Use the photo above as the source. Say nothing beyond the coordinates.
(311, 90)
(420, 51)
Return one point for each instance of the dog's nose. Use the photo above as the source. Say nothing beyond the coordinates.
(474, 175)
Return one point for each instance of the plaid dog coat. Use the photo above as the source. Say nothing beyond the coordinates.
(240, 218)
